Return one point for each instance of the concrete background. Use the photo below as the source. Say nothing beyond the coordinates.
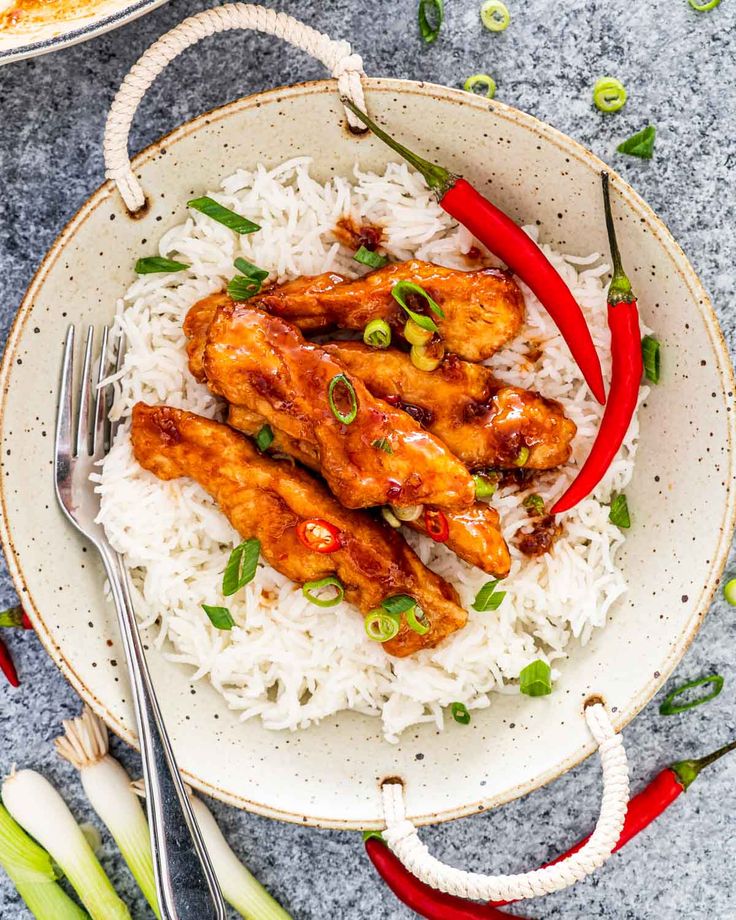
(679, 67)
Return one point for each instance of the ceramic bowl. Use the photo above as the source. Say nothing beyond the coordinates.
(681, 496)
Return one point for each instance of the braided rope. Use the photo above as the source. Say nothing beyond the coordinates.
(336, 56)
(402, 837)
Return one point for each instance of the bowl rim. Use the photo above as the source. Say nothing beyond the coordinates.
(546, 132)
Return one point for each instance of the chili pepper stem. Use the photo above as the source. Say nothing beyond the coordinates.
(687, 771)
(620, 288)
(437, 177)
(12, 617)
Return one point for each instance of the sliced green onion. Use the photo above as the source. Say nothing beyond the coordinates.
(370, 258)
(240, 569)
(40, 810)
(220, 617)
(250, 270)
(408, 513)
(534, 503)
(485, 486)
(480, 84)
(495, 15)
(264, 438)
(241, 288)
(416, 620)
(340, 380)
(650, 352)
(430, 15)
(383, 444)
(522, 456)
(415, 334)
(427, 357)
(398, 603)
(460, 713)
(704, 7)
(399, 292)
(619, 513)
(377, 334)
(223, 215)
(536, 679)
(381, 626)
(153, 264)
(488, 598)
(609, 94)
(640, 144)
(390, 518)
(670, 708)
(107, 786)
(729, 591)
(309, 589)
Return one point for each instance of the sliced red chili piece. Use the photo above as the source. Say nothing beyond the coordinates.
(436, 525)
(319, 535)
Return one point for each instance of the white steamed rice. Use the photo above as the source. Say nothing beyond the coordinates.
(286, 661)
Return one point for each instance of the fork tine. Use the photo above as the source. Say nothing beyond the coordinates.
(98, 433)
(82, 442)
(64, 406)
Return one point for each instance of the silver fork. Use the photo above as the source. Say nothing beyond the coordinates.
(185, 880)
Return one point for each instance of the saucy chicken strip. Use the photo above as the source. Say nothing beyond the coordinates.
(485, 423)
(370, 453)
(268, 500)
(482, 309)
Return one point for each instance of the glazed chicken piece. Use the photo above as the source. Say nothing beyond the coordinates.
(267, 499)
(474, 534)
(483, 309)
(263, 363)
(485, 423)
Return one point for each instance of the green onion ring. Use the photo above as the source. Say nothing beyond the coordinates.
(460, 713)
(704, 7)
(330, 581)
(522, 456)
(430, 30)
(347, 418)
(609, 94)
(495, 15)
(483, 82)
(729, 591)
(377, 334)
(381, 626)
(670, 708)
(416, 620)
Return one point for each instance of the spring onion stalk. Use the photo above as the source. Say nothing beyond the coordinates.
(107, 786)
(41, 811)
(33, 873)
(239, 887)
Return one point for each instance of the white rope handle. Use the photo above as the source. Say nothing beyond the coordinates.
(402, 837)
(336, 56)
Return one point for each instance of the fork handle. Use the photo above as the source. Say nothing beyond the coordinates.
(186, 884)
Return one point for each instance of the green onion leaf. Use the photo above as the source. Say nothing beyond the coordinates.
(398, 603)
(383, 444)
(650, 352)
(223, 215)
(534, 503)
(416, 620)
(485, 485)
(250, 270)
(609, 94)
(381, 626)
(704, 7)
(153, 264)
(729, 591)
(460, 713)
(536, 679)
(311, 587)
(670, 708)
(264, 438)
(241, 288)
(377, 334)
(370, 258)
(241, 566)
(430, 14)
(399, 292)
(480, 84)
(340, 380)
(640, 144)
(495, 15)
(488, 598)
(220, 617)
(619, 513)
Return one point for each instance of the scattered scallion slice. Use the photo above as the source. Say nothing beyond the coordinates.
(460, 713)
(670, 708)
(223, 215)
(704, 7)
(480, 84)
(495, 15)
(650, 352)
(640, 144)
(485, 486)
(381, 626)
(729, 591)
(240, 569)
(427, 357)
(377, 334)
(408, 513)
(609, 94)
(534, 503)
(250, 270)
(370, 258)
(220, 617)
(264, 438)
(399, 292)
(619, 513)
(488, 598)
(536, 679)
(390, 518)
(310, 589)
(341, 381)
(383, 444)
(398, 603)
(151, 265)
(416, 335)
(522, 456)
(241, 288)
(416, 621)
(430, 15)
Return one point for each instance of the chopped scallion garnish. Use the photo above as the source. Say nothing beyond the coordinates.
(485, 486)
(416, 621)
(377, 334)
(430, 15)
(152, 264)
(220, 617)
(398, 603)
(729, 591)
(488, 598)
(460, 713)
(223, 215)
(536, 679)
(310, 589)
(264, 438)
(480, 84)
(399, 292)
(619, 513)
(383, 444)
(640, 144)
(370, 258)
(345, 386)
(670, 708)
(704, 7)
(609, 94)
(650, 352)
(240, 568)
(250, 270)
(381, 626)
(534, 503)
(495, 15)
(523, 456)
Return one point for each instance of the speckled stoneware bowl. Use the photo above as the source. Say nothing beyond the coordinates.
(681, 494)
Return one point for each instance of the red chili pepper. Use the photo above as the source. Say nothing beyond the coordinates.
(419, 897)
(503, 237)
(436, 525)
(654, 799)
(15, 617)
(319, 535)
(626, 371)
(7, 666)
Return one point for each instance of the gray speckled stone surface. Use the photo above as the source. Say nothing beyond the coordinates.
(680, 70)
